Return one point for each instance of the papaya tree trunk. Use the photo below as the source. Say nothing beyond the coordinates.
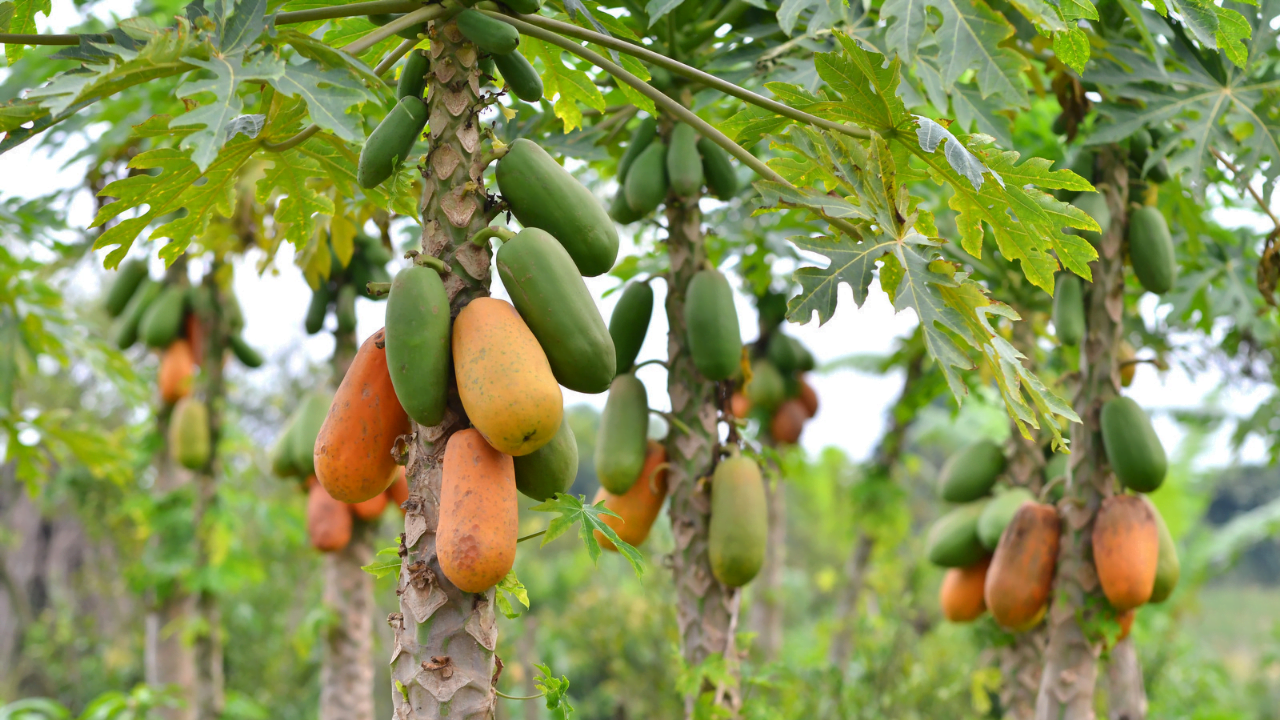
(443, 660)
(706, 610)
(1126, 695)
(1071, 660)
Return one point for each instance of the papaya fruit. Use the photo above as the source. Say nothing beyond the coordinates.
(344, 308)
(244, 352)
(353, 448)
(194, 334)
(489, 34)
(739, 527)
(1139, 147)
(766, 389)
(479, 514)
(646, 184)
(999, 513)
(232, 313)
(1021, 574)
(684, 166)
(549, 293)
(1159, 173)
(639, 506)
(129, 277)
(629, 324)
(1126, 551)
(1151, 250)
(524, 7)
(372, 250)
(1095, 206)
(1068, 309)
(622, 433)
(953, 538)
(177, 372)
(717, 168)
(1168, 567)
(711, 325)
(1124, 357)
(784, 353)
(391, 142)
(808, 396)
(551, 468)
(504, 379)
(520, 76)
(543, 195)
(318, 308)
(487, 66)
(413, 76)
(328, 521)
(398, 492)
(971, 473)
(126, 330)
(620, 210)
(162, 322)
(1133, 448)
(646, 130)
(281, 455)
(417, 346)
(788, 421)
(739, 405)
(189, 443)
(309, 418)
(961, 594)
(369, 509)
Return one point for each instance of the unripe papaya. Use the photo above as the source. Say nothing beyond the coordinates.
(232, 313)
(971, 473)
(413, 76)
(638, 507)
(489, 34)
(629, 324)
(1139, 147)
(788, 421)
(543, 195)
(398, 492)
(1094, 205)
(766, 389)
(479, 515)
(417, 346)
(309, 418)
(550, 295)
(1137, 457)
(318, 308)
(711, 325)
(128, 277)
(684, 167)
(369, 509)
(524, 7)
(162, 322)
(1168, 567)
(722, 178)
(353, 449)
(345, 309)
(328, 520)
(1151, 250)
(551, 468)
(372, 251)
(808, 396)
(520, 76)
(622, 434)
(1159, 172)
(646, 183)
(177, 372)
(1068, 309)
(244, 352)
(620, 210)
(644, 134)
(784, 353)
(504, 380)
(999, 513)
(1126, 551)
(189, 443)
(487, 66)
(1021, 574)
(953, 538)
(739, 527)
(281, 456)
(961, 594)
(391, 142)
(126, 330)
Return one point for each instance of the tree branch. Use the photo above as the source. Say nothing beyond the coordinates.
(350, 10)
(392, 57)
(1257, 197)
(19, 39)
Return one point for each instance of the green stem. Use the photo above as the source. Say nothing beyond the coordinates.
(731, 11)
(292, 142)
(483, 237)
(669, 417)
(350, 10)
(655, 361)
(22, 39)
(394, 56)
(417, 17)
(499, 693)
(431, 261)
(530, 537)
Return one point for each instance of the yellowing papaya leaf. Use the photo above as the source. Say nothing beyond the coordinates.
(566, 83)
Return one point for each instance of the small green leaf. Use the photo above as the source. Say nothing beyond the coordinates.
(1072, 48)
(556, 692)
(511, 586)
(385, 562)
(576, 511)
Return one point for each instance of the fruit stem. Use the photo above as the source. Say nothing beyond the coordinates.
(496, 154)
(499, 693)
(675, 421)
(431, 261)
(655, 361)
(483, 237)
(387, 62)
(378, 289)
(532, 536)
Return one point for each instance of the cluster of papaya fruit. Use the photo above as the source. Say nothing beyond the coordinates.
(650, 169)
(368, 264)
(777, 393)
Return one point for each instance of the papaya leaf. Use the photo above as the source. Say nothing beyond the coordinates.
(328, 94)
(243, 28)
(22, 21)
(297, 203)
(228, 72)
(566, 83)
(387, 561)
(326, 55)
(555, 691)
(511, 587)
(576, 511)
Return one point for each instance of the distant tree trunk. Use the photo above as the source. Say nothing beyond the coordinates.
(1126, 695)
(767, 593)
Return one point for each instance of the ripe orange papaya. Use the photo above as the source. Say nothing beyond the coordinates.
(479, 515)
(961, 594)
(739, 405)
(328, 520)
(370, 509)
(808, 396)
(1126, 551)
(399, 490)
(504, 379)
(1021, 574)
(788, 421)
(353, 449)
(639, 506)
(177, 371)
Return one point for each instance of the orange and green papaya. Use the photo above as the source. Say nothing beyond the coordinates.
(1126, 551)
(189, 443)
(638, 507)
(177, 372)
(739, 527)
(999, 513)
(1021, 574)
(961, 594)
(328, 520)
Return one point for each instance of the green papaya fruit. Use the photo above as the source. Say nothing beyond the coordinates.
(953, 538)
(739, 527)
(310, 416)
(1151, 250)
(1095, 206)
(1168, 567)
(767, 388)
(543, 195)
(244, 352)
(520, 76)
(622, 436)
(805, 361)
(189, 444)
(318, 308)
(711, 325)
(162, 322)
(126, 330)
(684, 166)
(410, 33)
(551, 468)
(524, 7)
(418, 343)
(413, 76)
(372, 251)
(644, 134)
(551, 296)
(784, 353)
(200, 301)
(391, 142)
(129, 276)
(630, 323)
(722, 178)
(620, 210)
(772, 309)
(1159, 172)
(1068, 309)
(282, 452)
(345, 309)
(646, 183)
(488, 67)
(1132, 446)
(232, 313)
(489, 34)
(1139, 147)
(971, 472)
(998, 513)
